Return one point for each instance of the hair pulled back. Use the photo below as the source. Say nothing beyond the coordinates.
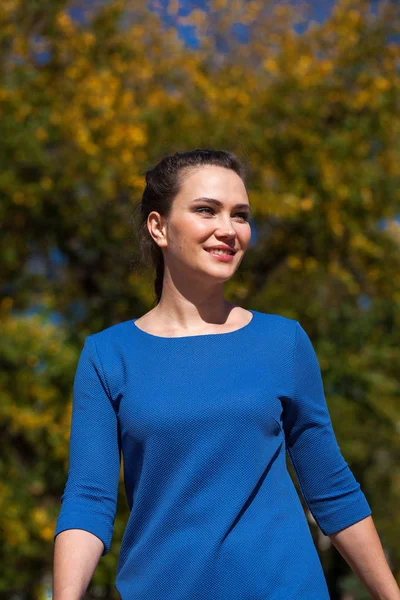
(163, 183)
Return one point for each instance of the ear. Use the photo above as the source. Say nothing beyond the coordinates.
(157, 227)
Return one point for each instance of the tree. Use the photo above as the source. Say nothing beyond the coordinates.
(87, 105)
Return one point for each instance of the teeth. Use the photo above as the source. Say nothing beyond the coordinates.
(220, 252)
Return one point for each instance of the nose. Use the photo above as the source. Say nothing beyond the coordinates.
(225, 227)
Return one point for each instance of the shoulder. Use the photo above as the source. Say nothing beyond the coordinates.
(116, 333)
(288, 332)
(278, 325)
(113, 351)
(113, 342)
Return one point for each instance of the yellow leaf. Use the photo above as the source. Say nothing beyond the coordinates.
(47, 533)
(218, 4)
(65, 23)
(382, 84)
(294, 262)
(306, 203)
(46, 183)
(41, 134)
(173, 7)
(270, 65)
(39, 515)
(303, 65)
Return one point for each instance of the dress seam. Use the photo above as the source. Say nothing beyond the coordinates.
(103, 375)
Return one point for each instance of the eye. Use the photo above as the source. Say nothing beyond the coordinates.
(243, 216)
(204, 208)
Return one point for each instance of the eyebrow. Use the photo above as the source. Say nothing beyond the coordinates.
(219, 203)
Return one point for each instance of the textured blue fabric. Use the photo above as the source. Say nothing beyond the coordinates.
(203, 424)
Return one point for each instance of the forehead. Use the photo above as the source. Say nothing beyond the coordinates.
(210, 178)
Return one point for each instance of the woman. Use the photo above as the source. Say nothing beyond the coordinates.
(203, 399)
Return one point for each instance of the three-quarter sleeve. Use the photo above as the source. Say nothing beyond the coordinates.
(90, 496)
(326, 482)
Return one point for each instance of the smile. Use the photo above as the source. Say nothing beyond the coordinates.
(221, 255)
(216, 251)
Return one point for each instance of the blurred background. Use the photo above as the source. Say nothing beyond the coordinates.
(93, 93)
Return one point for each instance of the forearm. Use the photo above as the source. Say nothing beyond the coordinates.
(361, 548)
(76, 555)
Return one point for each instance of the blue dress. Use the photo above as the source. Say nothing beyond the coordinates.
(203, 424)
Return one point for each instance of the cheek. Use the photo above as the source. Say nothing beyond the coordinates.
(197, 229)
(189, 232)
(244, 234)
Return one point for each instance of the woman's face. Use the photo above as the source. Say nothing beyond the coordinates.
(195, 224)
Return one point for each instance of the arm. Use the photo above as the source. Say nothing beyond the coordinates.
(76, 555)
(361, 548)
(326, 482)
(89, 500)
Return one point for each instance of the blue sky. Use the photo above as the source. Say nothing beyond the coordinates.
(318, 10)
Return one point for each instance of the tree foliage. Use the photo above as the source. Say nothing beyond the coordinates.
(86, 105)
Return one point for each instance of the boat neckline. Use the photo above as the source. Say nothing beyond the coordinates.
(201, 335)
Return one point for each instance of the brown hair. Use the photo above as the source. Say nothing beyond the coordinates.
(163, 183)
